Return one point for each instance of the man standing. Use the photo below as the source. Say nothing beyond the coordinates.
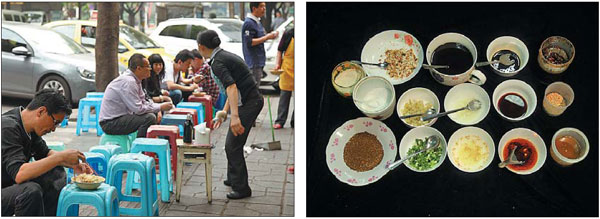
(32, 188)
(278, 20)
(253, 38)
(124, 106)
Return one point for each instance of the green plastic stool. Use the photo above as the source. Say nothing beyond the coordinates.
(132, 137)
(56, 145)
(124, 141)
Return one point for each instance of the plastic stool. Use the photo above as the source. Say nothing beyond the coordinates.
(65, 122)
(193, 105)
(121, 140)
(161, 148)
(96, 160)
(132, 137)
(172, 133)
(206, 101)
(55, 145)
(84, 119)
(172, 119)
(94, 94)
(144, 166)
(185, 111)
(107, 150)
(104, 198)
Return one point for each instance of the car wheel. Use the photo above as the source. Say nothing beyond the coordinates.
(57, 83)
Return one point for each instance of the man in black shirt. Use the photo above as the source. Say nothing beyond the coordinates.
(32, 188)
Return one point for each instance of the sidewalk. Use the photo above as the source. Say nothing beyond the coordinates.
(272, 187)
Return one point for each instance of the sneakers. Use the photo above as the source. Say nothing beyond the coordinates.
(277, 126)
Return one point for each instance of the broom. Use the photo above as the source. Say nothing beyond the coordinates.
(272, 145)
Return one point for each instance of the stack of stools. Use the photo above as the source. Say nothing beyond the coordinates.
(161, 148)
(185, 111)
(122, 140)
(193, 105)
(206, 100)
(84, 119)
(105, 199)
(173, 119)
(96, 160)
(144, 166)
(171, 132)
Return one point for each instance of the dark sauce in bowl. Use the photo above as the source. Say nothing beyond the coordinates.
(455, 55)
(512, 105)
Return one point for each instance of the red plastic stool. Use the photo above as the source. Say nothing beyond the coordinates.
(170, 131)
(206, 101)
(185, 111)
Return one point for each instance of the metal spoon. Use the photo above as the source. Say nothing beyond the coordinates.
(429, 111)
(426, 66)
(432, 142)
(381, 65)
(504, 59)
(512, 159)
(472, 106)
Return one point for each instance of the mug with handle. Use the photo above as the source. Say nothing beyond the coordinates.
(471, 75)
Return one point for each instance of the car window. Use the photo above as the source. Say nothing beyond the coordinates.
(17, 18)
(88, 36)
(195, 30)
(54, 42)
(67, 30)
(8, 17)
(174, 31)
(10, 40)
(136, 39)
(232, 30)
(35, 18)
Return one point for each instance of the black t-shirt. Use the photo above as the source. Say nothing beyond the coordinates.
(17, 146)
(151, 85)
(231, 69)
(285, 40)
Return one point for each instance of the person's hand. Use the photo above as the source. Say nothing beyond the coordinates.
(220, 117)
(165, 92)
(198, 78)
(71, 157)
(236, 126)
(82, 168)
(166, 106)
(192, 87)
(166, 99)
(277, 66)
(158, 117)
(273, 34)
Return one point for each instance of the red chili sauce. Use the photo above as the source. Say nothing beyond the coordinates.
(525, 152)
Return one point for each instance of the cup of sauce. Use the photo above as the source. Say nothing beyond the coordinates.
(569, 146)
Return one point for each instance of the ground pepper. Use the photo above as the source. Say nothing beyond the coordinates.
(363, 152)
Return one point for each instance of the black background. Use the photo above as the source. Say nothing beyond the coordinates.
(338, 31)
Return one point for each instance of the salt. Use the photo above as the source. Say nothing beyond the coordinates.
(346, 78)
(374, 99)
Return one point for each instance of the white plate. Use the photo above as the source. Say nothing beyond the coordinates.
(374, 52)
(420, 132)
(472, 131)
(534, 138)
(335, 151)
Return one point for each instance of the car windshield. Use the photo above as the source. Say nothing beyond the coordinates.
(54, 42)
(136, 39)
(35, 18)
(233, 30)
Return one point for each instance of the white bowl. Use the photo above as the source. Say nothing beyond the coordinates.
(375, 97)
(515, 86)
(418, 93)
(512, 44)
(584, 145)
(374, 52)
(471, 131)
(335, 151)
(459, 96)
(534, 138)
(422, 132)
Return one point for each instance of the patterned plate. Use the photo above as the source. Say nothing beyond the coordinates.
(374, 52)
(338, 140)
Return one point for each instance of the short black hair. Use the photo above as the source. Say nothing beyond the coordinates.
(54, 101)
(136, 60)
(183, 55)
(196, 54)
(254, 5)
(209, 38)
(156, 58)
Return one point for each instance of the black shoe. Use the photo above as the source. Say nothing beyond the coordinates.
(227, 183)
(239, 195)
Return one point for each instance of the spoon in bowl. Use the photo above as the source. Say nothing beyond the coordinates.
(432, 142)
(385, 64)
(512, 159)
(504, 59)
(428, 112)
(472, 106)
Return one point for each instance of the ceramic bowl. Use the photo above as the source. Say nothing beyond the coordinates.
(582, 140)
(418, 93)
(534, 138)
(459, 96)
(345, 89)
(521, 88)
(375, 97)
(471, 131)
(508, 43)
(408, 140)
(564, 48)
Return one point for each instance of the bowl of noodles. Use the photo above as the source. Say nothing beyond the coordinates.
(87, 181)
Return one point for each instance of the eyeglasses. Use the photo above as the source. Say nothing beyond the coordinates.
(146, 66)
(56, 122)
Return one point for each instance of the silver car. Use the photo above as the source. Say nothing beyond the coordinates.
(35, 57)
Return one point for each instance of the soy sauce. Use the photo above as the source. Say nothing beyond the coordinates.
(454, 55)
(512, 105)
(506, 68)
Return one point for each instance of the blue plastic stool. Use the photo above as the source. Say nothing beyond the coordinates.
(94, 94)
(162, 149)
(55, 145)
(174, 119)
(107, 150)
(144, 166)
(104, 198)
(122, 140)
(193, 105)
(84, 120)
(221, 101)
(65, 122)
(96, 160)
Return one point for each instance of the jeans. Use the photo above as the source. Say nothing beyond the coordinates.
(176, 96)
(36, 197)
(283, 109)
(257, 72)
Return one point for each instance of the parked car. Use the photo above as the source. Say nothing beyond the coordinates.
(131, 41)
(35, 57)
(36, 17)
(14, 16)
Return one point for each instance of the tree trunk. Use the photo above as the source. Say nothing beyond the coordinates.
(78, 10)
(143, 18)
(242, 11)
(268, 14)
(231, 9)
(107, 40)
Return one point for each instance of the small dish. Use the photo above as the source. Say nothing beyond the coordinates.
(374, 52)
(530, 136)
(276, 71)
(509, 45)
(522, 89)
(408, 140)
(470, 132)
(556, 47)
(375, 97)
(345, 76)
(335, 151)
(582, 141)
(416, 94)
(459, 96)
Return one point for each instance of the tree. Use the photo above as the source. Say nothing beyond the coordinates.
(132, 8)
(268, 14)
(107, 40)
(143, 19)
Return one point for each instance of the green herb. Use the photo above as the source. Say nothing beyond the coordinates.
(424, 160)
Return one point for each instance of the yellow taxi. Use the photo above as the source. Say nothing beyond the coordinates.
(130, 40)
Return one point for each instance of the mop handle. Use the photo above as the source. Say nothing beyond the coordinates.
(271, 117)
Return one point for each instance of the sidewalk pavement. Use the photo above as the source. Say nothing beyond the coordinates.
(272, 186)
